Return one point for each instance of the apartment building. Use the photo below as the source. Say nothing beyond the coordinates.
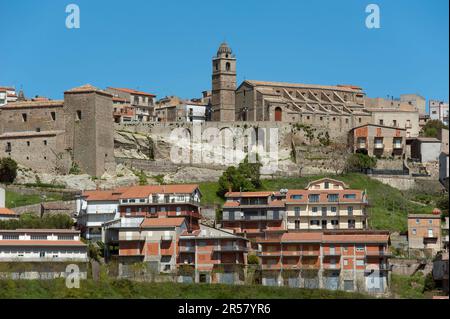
(438, 110)
(142, 102)
(424, 232)
(156, 201)
(94, 208)
(213, 256)
(46, 252)
(255, 215)
(123, 111)
(378, 140)
(326, 204)
(7, 95)
(106, 210)
(154, 241)
(346, 260)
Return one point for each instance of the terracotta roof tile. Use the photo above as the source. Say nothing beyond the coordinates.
(131, 91)
(147, 190)
(162, 222)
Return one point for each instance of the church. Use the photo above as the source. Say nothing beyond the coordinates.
(338, 107)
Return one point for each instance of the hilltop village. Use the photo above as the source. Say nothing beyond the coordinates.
(103, 157)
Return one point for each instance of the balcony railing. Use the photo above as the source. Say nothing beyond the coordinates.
(398, 146)
(230, 248)
(288, 253)
(166, 238)
(269, 253)
(378, 253)
(187, 249)
(378, 145)
(313, 253)
(332, 253)
(331, 266)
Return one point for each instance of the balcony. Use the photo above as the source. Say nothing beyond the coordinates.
(270, 267)
(269, 253)
(331, 253)
(288, 253)
(187, 249)
(230, 248)
(332, 266)
(309, 267)
(310, 253)
(166, 238)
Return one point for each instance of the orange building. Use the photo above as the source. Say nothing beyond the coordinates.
(347, 260)
(212, 255)
(424, 232)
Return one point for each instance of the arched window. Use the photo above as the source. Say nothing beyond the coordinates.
(278, 114)
(227, 66)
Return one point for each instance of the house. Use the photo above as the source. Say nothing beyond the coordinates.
(425, 149)
(424, 233)
(326, 204)
(154, 241)
(213, 256)
(254, 215)
(347, 260)
(142, 102)
(6, 214)
(46, 252)
(378, 140)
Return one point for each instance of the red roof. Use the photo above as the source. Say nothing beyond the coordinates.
(162, 222)
(102, 195)
(145, 191)
(7, 211)
(302, 237)
(131, 91)
(249, 194)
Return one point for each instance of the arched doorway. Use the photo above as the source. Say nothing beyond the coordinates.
(278, 114)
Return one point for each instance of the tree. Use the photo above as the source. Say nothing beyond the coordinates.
(8, 170)
(245, 177)
(359, 161)
(432, 128)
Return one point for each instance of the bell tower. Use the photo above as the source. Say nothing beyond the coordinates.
(223, 85)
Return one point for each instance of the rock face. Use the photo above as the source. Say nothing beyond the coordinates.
(122, 177)
(193, 174)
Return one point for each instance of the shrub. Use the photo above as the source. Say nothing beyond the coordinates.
(252, 260)
(8, 170)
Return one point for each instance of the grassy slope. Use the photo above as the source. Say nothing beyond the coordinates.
(410, 287)
(388, 205)
(127, 289)
(14, 199)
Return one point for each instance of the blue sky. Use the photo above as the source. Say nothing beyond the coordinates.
(166, 46)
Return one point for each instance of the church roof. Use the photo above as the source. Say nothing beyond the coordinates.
(301, 85)
(224, 48)
(87, 88)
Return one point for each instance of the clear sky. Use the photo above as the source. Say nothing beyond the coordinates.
(165, 46)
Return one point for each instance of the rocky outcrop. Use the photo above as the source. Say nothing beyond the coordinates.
(193, 174)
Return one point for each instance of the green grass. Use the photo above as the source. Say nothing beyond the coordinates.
(388, 209)
(14, 199)
(120, 289)
(410, 287)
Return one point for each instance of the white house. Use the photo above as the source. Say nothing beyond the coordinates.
(94, 208)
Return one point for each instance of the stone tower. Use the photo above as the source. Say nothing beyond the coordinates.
(89, 129)
(223, 85)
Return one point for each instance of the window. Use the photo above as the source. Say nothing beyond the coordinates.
(345, 262)
(414, 231)
(314, 222)
(417, 221)
(360, 262)
(333, 209)
(296, 196)
(350, 196)
(28, 143)
(333, 197)
(11, 237)
(78, 115)
(430, 221)
(45, 142)
(359, 120)
(313, 198)
(297, 211)
(381, 122)
(24, 117)
(334, 222)
(394, 122)
(38, 237)
(359, 248)
(227, 66)
(53, 115)
(142, 200)
(297, 224)
(324, 210)
(350, 210)
(66, 237)
(153, 210)
(8, 147)
(314, 209)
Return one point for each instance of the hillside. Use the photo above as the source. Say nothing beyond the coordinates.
(388, 209)
(120, 289)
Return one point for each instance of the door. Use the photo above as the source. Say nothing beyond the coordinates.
(332, 281)
(278, 114)
(374, 282)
